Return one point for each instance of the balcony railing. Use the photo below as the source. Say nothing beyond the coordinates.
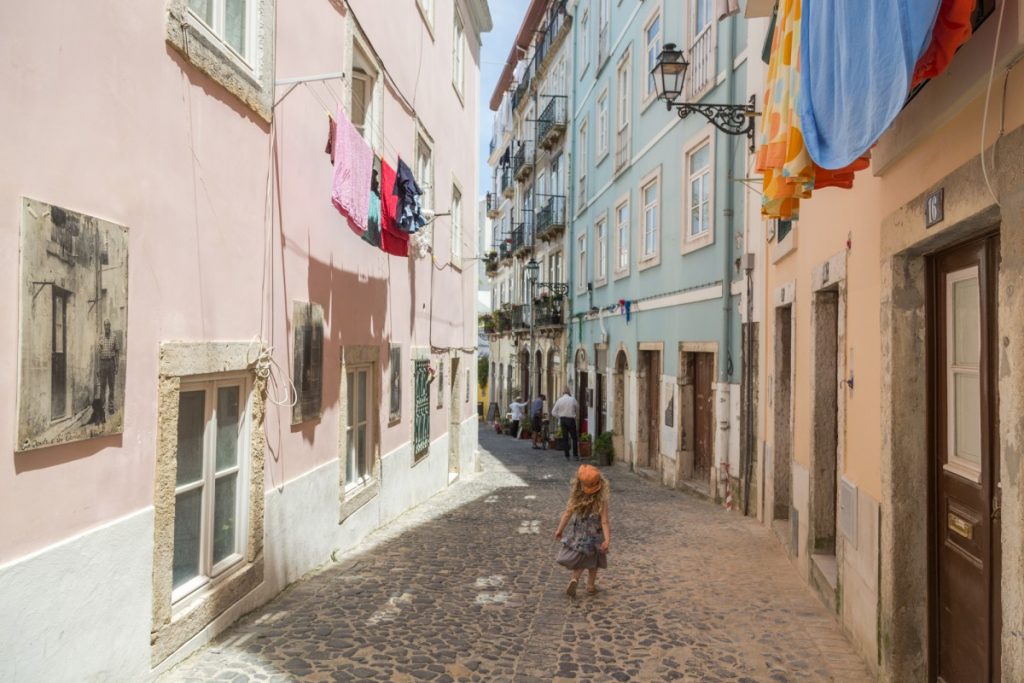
(522, 234)
(505, 251)
(551, 216)
(544, 47)
(520, 317)
(491, 263)
(493, 205)
(506, 180)
(523, 161)
(549, 312)
(551, 125)
(702, 64)
(622, 148)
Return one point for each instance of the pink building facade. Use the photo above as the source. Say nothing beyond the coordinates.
(193, 126)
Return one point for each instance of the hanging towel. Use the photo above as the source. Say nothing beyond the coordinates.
(727, 8)
(392, 240)
(410, 216)
(856, 64)
(353, 167)
(952, 29)
(372, 234)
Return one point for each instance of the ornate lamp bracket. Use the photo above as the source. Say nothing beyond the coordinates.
(732, 119)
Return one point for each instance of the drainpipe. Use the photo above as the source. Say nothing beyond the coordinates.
(570, 177)
(725, 369)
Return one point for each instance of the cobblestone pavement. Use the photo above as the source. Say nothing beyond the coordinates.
(465, 588)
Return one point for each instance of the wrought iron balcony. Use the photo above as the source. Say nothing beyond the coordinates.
(522, 234)
(505, 251)
(506, 181)
(502, 319)
(493, 205)
(549, 313)
(491, 262)
(552, 121)
(523, 161)
(551, 217)
(520, 317)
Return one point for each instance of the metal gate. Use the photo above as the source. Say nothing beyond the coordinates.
(421, 412)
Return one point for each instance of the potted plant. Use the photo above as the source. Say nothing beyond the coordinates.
(604, 449)
(556, 441)
(585, 443)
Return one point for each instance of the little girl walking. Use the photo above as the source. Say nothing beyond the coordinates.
(585, 545)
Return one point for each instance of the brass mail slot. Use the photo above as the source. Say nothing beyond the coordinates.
(961, 526)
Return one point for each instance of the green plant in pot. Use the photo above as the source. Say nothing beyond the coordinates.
(604, 448)
(586, 441)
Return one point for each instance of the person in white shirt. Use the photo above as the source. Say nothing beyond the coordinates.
(517, 407)
(565, 410)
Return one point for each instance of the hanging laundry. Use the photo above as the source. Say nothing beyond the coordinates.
(353, 167)
(726, 8)
(329, 149)
(629, 307)
(952, 29)
(410, 216)
(856, 64)
(392, 240)
(373, 218)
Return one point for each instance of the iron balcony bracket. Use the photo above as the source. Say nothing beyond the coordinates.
(732, 119)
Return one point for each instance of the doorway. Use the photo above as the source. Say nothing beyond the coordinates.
(582, 385)
(964, 492)
(825, 435)
(619, 405)
(601, 390)
(648, 437)
(783, 413)
(538, 373)
(697, 415)
(455, 422)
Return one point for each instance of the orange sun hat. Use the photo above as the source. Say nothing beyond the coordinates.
(590, 478)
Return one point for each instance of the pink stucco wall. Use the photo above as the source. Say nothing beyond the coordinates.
(102, 116)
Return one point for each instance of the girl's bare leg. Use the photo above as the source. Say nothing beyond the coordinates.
(591, 580)
(571, 588)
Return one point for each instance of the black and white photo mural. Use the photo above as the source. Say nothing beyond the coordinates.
(74, 326)
(308, 373)
(395, 412)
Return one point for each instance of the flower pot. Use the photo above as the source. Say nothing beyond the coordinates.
(585, 449)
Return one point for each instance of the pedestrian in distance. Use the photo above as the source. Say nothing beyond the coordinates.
(537, 420)
(518, 408)
(584, 529)
(565, 410)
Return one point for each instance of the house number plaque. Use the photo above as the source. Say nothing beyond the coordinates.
(933, 209)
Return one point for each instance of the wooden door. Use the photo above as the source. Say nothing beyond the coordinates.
(704, 414)
(58, 355)
(653, 400)
(965, 483)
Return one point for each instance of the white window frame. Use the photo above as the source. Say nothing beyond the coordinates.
(456, 222)
(217, 32)
(602, 125)
(581, 263)
(604, 21)
(962, 467)
(369, 77)
(459, 54)
(210, 574)
(652, 48)
(425, 167)
(692, 35)
(601, 249)
(582, 158)
(623, 112)
(360, 480)
(584, 41)
(427, 9)
(652, 257)
(623, 236)
(690, 242)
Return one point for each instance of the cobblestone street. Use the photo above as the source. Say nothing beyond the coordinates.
(465, 588)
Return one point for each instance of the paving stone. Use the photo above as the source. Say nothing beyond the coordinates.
(451, 591)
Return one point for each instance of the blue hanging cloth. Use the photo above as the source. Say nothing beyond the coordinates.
(857, 60)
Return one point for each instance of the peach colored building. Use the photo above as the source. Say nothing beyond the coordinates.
(194, 124)
(892, 390)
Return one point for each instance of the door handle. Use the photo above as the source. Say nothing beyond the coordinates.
(997, 507)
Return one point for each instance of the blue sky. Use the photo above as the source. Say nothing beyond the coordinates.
(507, 16)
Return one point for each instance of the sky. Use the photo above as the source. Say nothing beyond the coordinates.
(507, 15)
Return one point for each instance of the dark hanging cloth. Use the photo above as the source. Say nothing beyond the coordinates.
(373, 218)
(329, 150)
(410, 213)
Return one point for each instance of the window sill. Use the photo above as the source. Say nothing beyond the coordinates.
(649, 262)
(693, 244)
(352, 499)
(600, 282)
(619, 274)
(782, 249)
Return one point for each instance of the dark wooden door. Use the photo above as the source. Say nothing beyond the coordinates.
(704, 414)
(965, 490)
(602, 404)
(58, 355)
(653, 408)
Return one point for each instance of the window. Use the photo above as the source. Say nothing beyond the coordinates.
(963, 374)
(581, 195)
(456, 237)
(458, 68)
(702, 48)
(209, 494)
(363, 111)
(649, 196)
(584, 41)
(581, 262)
(622, 115)
(699, 195)
(231, 41)
(360, 434)
(602, 124)
(231, 21)
(427, 12)
(601, 249)
(555, 267)
(603, 31)
(783, 228)
(622, 237)
(421, 410)
(652, 42)
(425, 171)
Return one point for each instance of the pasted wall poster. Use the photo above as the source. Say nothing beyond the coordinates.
(396, 383)
(669, 401)
(74, 326)
(308, 373)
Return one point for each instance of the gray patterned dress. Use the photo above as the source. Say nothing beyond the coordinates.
(581, 541)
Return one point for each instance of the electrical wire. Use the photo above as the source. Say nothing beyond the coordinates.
(988, 97)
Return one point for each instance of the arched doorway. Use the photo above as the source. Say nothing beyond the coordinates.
(619, 416)
(554, 379)
(538, 373)
(524, 374)
(582, 382)
(501, 387)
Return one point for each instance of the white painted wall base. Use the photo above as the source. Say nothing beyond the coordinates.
(81, 610)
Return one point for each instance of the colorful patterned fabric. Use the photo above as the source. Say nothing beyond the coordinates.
(951, 30)
(584, 535)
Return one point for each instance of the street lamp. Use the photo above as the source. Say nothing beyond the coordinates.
(669, 75)
(532, 270)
